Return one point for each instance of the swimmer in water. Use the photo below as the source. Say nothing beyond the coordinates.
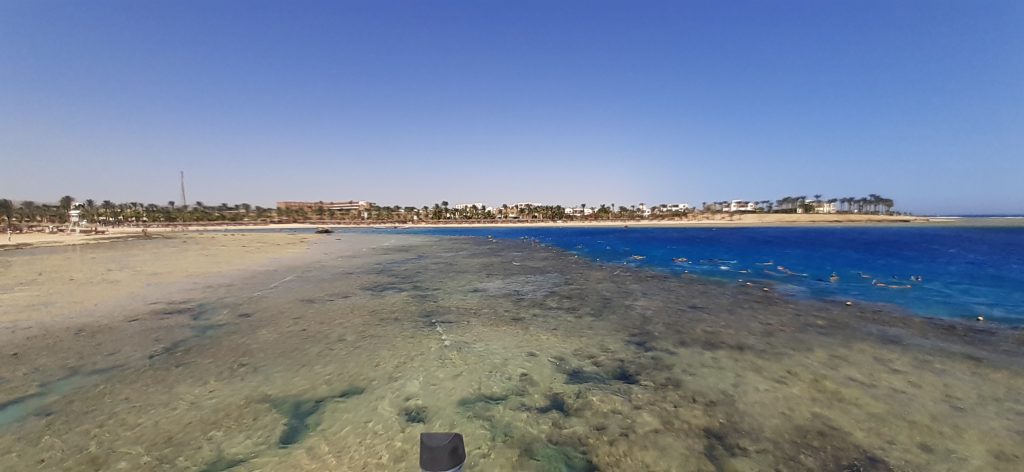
(833, 278)
(917, 278)
(680, 259)
(789, 272)
(863, 275)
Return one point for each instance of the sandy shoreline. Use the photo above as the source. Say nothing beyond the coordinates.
(22, 241)
(79, 282)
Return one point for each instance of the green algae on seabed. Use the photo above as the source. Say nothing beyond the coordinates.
(17, 409)
(222, 464)
(494, 398)
(303, 415)
(196, 312)
(198, 331)
(553, 458)
(556, 403)
(415, 414)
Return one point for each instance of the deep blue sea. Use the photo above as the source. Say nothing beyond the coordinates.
(958, 272)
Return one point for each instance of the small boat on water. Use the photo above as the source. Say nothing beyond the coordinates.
(323, 230)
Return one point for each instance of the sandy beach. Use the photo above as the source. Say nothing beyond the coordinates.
(230, 352)
(19, 240)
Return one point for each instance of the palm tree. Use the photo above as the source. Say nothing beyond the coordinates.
(7, 211)
(65, 206)
(875, 201)
(28, 210)
(90, 206)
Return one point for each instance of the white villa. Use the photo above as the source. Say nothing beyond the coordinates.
(740, 205)
(577, 211)
(820, 206)
(672, 207)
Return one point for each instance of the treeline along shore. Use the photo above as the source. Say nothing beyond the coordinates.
(90, 215)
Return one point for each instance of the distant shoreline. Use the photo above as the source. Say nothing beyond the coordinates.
(29, 240)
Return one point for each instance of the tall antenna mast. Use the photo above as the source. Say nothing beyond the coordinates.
(184, 202)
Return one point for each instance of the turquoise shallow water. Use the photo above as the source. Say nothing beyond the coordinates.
(963, 271)
(338, 357)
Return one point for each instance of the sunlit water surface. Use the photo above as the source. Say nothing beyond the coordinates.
(952, 272)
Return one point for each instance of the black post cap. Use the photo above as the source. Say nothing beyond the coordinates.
(441, 452)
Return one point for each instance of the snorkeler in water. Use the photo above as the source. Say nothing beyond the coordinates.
(789, 272)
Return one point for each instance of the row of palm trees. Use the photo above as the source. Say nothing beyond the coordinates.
(873, 203)
(443, 211)
(30, 213)
(521, 211)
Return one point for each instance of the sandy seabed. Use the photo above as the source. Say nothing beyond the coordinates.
(276, 352)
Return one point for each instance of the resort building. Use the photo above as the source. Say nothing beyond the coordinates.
(351, 205)
(820, 206)
(674, 207)
(577, 211)
(469, 206)
(740, 205)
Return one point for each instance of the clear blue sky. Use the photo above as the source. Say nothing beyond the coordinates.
(549, 101)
